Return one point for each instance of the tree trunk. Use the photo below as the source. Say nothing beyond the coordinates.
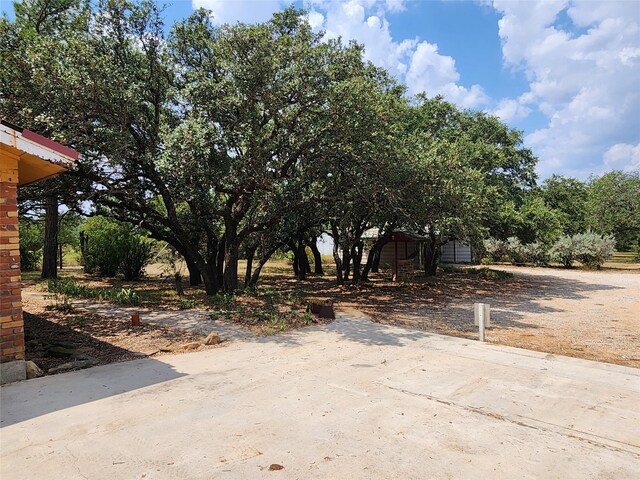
(219, 264)
(253, 283)
(375, 264)
(60, 256)
(346, 264)
(295, 263)
(303, 261)
(373, 257)
(231, 252)
(358, 250)
(50, 252)
(336, 253)
(431, 255)
(195, 278)
(177, 277)
(317, 257)
(250, 253)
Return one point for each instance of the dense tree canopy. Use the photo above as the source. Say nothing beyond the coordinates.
(240, 140)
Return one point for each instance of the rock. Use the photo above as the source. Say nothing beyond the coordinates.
(191, 345)
(77, 365)
(167, 348)
(275, 466)
(59, 351)
(322, 310)
(212, 339)
(33, 371)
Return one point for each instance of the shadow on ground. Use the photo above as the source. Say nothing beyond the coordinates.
(41, 334)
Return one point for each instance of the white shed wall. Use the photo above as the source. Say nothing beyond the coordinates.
(456, 252)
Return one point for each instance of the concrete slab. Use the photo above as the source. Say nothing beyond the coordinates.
(350, 400)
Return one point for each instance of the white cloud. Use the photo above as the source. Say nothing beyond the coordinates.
(584, 77)
(418, 63)
(247, 11)
(623, 156)
(436, 74)
(509, 109)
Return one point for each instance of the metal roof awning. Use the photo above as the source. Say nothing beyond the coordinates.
(38, 157)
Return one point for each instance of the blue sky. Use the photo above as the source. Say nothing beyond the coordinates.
(565, 72)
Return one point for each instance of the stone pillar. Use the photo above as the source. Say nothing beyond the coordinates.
(12, 365)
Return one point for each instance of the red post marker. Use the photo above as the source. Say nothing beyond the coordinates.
(135, 319)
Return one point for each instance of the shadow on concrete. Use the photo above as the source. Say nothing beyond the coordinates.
(28, 399)
(358, 329)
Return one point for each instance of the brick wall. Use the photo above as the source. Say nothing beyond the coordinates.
(11, 324)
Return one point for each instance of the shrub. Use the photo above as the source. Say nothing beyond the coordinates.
(68, 287)
(136, 256)
(496, 250)
(564, 251)
(593, 249)
(489, 273)
(517, 251)
(536, 253)
(113, 247)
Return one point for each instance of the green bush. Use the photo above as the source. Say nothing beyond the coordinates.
(31, 243)
(68, 287)
(113, 247)
(496, 250)
(564, 251)
(136, 256)
(592, 249)
(536, 253)
(489, 273)
(517, 251)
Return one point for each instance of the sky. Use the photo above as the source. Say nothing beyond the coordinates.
(566, 73)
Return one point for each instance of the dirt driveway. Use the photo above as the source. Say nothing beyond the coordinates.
(352, 399)
(586, 314)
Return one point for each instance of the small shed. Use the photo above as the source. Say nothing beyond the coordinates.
(25, 157)
(401, 253)
(455, 251)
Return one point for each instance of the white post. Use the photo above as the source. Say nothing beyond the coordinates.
(481, 318)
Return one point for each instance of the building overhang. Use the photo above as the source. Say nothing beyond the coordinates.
(38, 157)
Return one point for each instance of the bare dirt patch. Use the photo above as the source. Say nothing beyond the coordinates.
(54, 338)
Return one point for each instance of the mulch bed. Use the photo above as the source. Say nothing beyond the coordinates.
(103, 340)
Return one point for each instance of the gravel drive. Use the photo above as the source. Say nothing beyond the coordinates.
(588, 314)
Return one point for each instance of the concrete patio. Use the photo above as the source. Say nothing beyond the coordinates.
(352, 399)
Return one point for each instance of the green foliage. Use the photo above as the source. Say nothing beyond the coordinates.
(113, 247)
(135, 258)
(613, 207)
(496, 250)
(31, 234)
(489, 273)
(516, 251)
(592, 249)
(68, 287)
(537, 253)
(187, 304)
(568, 197)
(564, 251)
(60, 301)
